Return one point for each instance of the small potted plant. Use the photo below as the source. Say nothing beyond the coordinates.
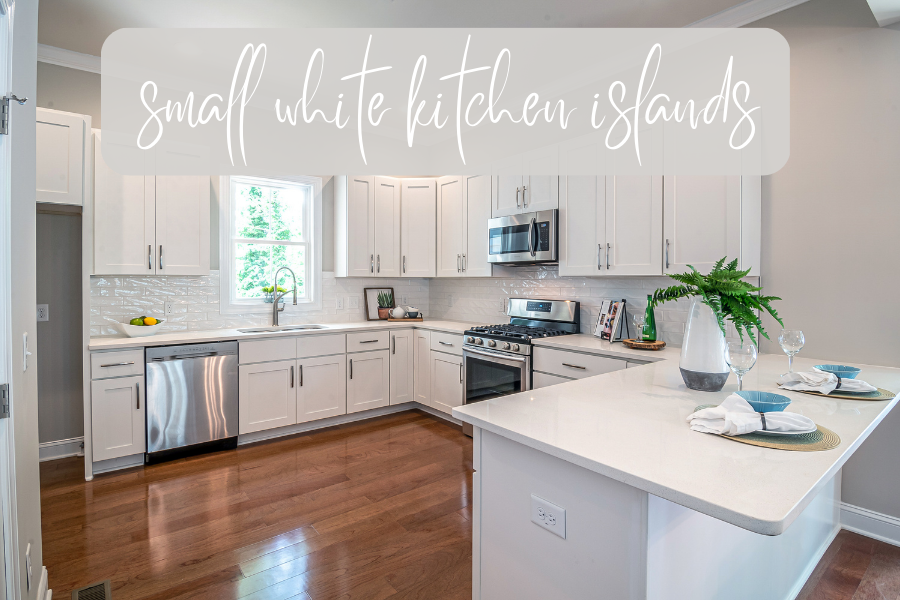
(269, 292)
(385, 304)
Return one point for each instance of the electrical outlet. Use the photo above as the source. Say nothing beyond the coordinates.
(404, 300)
(339, 303)
(170, 308)
(549, 516)
(43, 312)
(354, 301)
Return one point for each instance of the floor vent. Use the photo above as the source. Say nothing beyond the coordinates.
(95, 591)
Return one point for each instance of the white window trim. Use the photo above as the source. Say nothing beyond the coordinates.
(227, 305)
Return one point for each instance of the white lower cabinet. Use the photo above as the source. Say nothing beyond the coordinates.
(117, 417)
(368, 380)
(422, 365)
(446, 381)
(321, 387)
(542, 380)
(402, 369)
(267, 396)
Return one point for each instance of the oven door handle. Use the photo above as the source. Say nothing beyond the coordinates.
(518, 359)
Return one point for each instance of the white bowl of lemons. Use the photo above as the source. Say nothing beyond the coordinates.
(140, 326)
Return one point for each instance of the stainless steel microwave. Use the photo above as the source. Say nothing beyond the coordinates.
(525, 239)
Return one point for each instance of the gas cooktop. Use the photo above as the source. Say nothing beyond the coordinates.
(529, 320)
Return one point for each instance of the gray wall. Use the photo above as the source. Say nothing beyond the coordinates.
(61, 88)
(830, 216)
(60, 392)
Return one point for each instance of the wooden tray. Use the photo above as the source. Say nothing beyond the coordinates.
(878, 395)
(641, 345)
(404, 320)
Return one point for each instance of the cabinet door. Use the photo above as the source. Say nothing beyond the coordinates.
(540, 185)
(422, 364)
(182, 225)
(124, 219)
(368, 380)
(477, 189)
(702, 221)
(267, 396)
(321, 387)
(451, 226)
(60, 157)
(582, 212)
(360, 227)
(387, 227)
(633, 225)
(418, 242)
(402, 367)
(117, 417)
(446, 381)
(506, 193)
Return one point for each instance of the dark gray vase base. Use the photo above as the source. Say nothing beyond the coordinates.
(704, 382)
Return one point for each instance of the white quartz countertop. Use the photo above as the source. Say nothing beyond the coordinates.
(630, 425)
(119, 342)
(586, 342)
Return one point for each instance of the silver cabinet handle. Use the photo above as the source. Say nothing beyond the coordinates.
(368, 341)
(404, 263)
(150, 256)
(599, 255)
(160, 257)
(121, 364)
(667, 253)
(394, 348)
(379, 263)
(458, 264)
(574, 366)
(517, 197)
(524, 203)
(460, 373)
(137, 386)
(464, 265)
(301, 375)
(351, 368)
(445, 343)
(607, 257)
(372, 263)
(292, 375)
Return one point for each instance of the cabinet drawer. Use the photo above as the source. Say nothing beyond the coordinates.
(117, 364)
(573, 364)
(321, 345)
(542, 380)
(450, 343)
(257, 351)
(363, 342)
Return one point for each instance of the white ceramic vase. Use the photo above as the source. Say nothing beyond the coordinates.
(702, 363)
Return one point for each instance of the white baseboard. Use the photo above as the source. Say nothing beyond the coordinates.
(869, 523)
(436, 413)
(61, 449)
(114, 464)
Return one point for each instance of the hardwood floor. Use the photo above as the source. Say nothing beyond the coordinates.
(372, 510)
(855, 567)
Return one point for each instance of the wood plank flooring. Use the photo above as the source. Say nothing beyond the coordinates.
(855, 568)
(372, 510)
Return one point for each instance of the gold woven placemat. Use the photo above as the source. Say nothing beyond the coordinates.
(881, 394)
(820, 439)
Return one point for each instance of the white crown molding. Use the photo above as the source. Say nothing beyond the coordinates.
(746, 12)
(67, 58)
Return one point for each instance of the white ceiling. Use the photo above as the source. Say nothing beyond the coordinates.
(83, 25)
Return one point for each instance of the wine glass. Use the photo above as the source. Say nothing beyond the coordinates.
(740, 357)
(638, 319)
(791, 341)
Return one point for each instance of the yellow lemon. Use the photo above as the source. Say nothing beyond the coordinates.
(150, 321)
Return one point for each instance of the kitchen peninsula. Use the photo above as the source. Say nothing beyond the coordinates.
(652, 509)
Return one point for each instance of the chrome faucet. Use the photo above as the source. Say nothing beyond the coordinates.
(277, 296)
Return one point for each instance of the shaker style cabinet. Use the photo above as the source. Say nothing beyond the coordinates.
(463, 209)
(402, 366)
(446, 381)
(321, 387)
(526, 183)
(367, 226)
(117, 417)
(62, 150)
(422, 365)
(145, 225)
(368, 380)
(418, 224)
(267, 395)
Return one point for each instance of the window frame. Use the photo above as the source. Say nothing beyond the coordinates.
(229, 304)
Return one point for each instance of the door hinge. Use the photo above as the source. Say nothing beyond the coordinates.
(4, 400)
(4, 112)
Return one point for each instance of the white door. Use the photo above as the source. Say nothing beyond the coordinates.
(321, 387)
(117, 417)
(387, 227)
(477, 190)
(360, 227)
(124, 219)
(60, 157)
(702, 221)
(368, 380)
(418, 211)
(267, 396)
(582, 211)
(422, 366)
(451, 226)
(633, 225)
(402, 368)
(540, 185)
(182, 225)
(506, 194)
(446, 381)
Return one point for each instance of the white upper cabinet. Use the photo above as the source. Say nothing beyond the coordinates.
(582, 211)
(633, 225)
(418, 228)
(477, 200)
(367, 226)
(386, 218)
(527, 182)
(451, 226)
(463, 212)
(61, 143)
(182, 225)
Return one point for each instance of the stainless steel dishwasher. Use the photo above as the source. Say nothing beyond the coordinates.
(192, 398)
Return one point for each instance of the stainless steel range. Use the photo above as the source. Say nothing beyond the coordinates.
(497, 358)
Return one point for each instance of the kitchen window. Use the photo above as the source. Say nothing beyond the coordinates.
(265, 224)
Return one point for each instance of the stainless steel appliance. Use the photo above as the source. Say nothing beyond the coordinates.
(192, 397)
(497, 358)
(526, 239)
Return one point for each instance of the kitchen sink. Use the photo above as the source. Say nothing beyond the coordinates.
(283, 328)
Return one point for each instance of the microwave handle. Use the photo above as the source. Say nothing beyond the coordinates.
(532, 242)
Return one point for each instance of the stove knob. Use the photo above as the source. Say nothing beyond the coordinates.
(470, 339)
(479, 341)
(492, 343)
(506, 345)
(515, 347)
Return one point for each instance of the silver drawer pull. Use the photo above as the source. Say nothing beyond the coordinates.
(123, 364)
(445, 343)
(574, 366)
(368, 341)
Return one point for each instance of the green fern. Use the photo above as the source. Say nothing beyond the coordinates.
(726, 293)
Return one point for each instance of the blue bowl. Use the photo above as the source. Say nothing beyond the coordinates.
(765, 401)
(842, 371)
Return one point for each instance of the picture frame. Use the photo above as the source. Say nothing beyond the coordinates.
(371, 298)
(611, 321)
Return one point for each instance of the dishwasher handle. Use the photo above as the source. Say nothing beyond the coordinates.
(187, 356)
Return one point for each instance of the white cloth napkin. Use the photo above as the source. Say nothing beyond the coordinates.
(735, 416)
(822, 382)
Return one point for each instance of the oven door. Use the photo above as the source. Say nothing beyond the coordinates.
(488, 374)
